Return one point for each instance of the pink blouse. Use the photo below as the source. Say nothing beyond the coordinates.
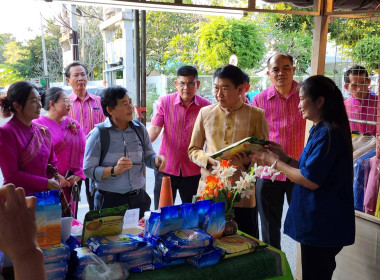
(25, 153)
(69, 142)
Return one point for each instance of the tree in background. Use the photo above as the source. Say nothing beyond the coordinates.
(290, 34)
(26, 61)
(367, 52)
(357, 40)
(91, 40)
(5, 38)
(220, 38)
(12, 52)
(165, 33)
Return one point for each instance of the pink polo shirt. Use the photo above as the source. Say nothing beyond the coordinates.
(364, 110)
(286, 125)
(177, 121)
(87, 112)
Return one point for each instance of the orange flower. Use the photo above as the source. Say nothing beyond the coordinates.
(224, 163)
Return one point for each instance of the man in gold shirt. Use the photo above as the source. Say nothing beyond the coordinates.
(222, 124)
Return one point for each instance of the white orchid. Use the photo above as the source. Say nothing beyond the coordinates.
(247, 193)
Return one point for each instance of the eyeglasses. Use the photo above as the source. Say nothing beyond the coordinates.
(68, 101)
(77, 76)
(189, 85)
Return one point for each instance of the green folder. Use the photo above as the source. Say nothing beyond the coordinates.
(245, 145)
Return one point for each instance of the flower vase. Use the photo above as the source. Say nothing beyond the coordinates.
(231, 226)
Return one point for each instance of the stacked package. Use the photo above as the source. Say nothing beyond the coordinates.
(131, 250)
(181, 233)
(55, 260)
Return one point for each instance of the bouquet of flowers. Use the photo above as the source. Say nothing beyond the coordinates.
(219, 186)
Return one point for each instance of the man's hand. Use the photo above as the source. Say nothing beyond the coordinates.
(123, 164)
(160, 162)
(211, 161)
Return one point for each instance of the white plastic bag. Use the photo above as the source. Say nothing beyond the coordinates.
(102, 271)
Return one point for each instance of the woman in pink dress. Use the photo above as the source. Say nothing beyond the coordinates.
(26, 148)
(68, 140)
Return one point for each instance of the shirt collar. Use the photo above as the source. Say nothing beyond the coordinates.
(74, 96)
(108, 123)
(273, 91)
(315, 127)
(237, 107)
(178, 99)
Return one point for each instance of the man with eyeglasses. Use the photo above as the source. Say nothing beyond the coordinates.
(287, 127)
(176, 114)
(86, 108)
(119, 175)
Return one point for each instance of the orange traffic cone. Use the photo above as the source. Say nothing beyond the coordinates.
(166, 196)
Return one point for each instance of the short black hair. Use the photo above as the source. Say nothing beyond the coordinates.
(187, 70)
(109, 97)
(67, 69)
(355, 70)
(52, 94)
(229, 71)
(246, 78)
(280, 54)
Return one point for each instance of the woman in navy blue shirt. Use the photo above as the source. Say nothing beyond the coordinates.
(321, 211)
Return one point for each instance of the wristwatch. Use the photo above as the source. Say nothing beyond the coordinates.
(113, 171)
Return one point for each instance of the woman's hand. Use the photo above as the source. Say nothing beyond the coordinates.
(160, 162)
(72, 179)
(278, 150)
(52, 184)
(263, 157)
(123, 164)
(64, 182)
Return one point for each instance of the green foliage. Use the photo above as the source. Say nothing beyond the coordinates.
(221, 37)
(348, 32)
(167, 31)
(26, 61)
(8, 76)
(299, 46)
(289, 22)
(367, 52)
(5, 38)
(291, 34)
